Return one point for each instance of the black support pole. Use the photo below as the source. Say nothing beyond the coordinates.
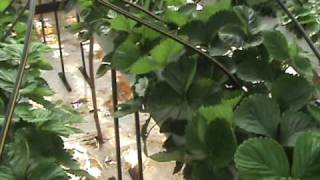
(138, 139)
(116, 122)
(83, 68)
(42, 25)
(61, 74)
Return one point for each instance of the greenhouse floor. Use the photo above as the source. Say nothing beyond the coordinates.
(98, 161)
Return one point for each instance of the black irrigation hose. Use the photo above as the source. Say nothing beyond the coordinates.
(15, 93)
(301, 29)
(7, 33)
(173, 37)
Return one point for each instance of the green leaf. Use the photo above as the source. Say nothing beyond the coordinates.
(2, 106)
(167, 51)
(292, 125)
(260, 159)
(145, 65)
(258, 114)
(314, 111)
(232, 35)
(220, 142)
(199, 91)
(254, 70)
(173, 155)
(6, 173)
(128, 107)
(276, 44)
(125, 55)
(170, 104)
(292, 92)
(175, 17)
(4, 4)
(220, 111)
(306, 158)
(248, 18)
(301, 62)
(122, 23)
(196, 31)
(19, 154)
(102, 70)
(180, 74)
(45, 169)
(212, 9)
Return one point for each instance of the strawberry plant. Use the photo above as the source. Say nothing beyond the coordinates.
(234, 96)
(34, 148)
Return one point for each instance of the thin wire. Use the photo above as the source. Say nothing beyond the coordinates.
(15, 93)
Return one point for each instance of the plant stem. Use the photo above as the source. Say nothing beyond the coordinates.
(301, 29)
(142, 9)
(15, 93)
(173, 37)
(7, 33)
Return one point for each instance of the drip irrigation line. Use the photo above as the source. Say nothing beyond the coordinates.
(15, 93)
(20, 14)
(173, 37)
(301, 29)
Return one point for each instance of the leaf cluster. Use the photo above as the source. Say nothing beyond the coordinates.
(268, 128)
(34, 148)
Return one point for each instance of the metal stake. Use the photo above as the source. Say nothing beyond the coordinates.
(138, 139)
(116, 121)
(83, 68)
(15, 93)
(61, 74)
(42, 26)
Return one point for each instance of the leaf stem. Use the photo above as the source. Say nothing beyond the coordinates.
(173, 37)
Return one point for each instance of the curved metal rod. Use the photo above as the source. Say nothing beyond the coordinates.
(175, 38)
(301, 29)
(15, 93)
